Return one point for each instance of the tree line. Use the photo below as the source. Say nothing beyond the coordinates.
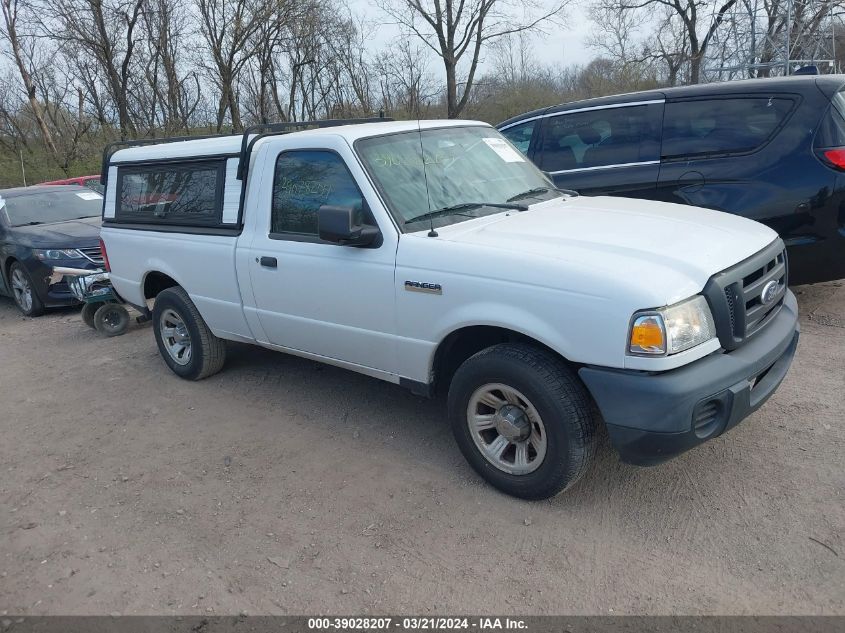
(79, 73)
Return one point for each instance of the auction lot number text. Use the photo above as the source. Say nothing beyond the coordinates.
(415, 624)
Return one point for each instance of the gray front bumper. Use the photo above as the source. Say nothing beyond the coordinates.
(651, 417)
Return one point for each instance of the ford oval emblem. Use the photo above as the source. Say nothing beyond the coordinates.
(770, 291)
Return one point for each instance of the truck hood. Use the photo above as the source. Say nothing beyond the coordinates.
(651, 244)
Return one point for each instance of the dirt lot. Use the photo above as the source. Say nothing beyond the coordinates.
(281, 486)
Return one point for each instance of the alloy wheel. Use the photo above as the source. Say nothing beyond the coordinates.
(22, 290)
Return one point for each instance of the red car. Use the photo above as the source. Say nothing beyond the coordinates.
(92, 182)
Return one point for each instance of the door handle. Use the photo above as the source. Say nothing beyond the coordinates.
(269, 262)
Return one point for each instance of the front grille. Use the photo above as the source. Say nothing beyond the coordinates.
(745, 297)
(729, 297)
(758, 311)
(93, 253)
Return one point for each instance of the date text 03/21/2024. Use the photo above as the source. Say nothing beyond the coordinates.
(417, 623)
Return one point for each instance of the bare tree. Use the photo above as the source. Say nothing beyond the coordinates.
(405, 84)
(173, 95)
(69, 123)
(698, 19)
(299, 54)
(615, 33)
(13, 132)
(22, 51)
(263, 103)
(668, 47)
(458, 31)
(348, 45)
(515, 81)
(323, 67)
(802, 23)
(229, 28)
(107, 32)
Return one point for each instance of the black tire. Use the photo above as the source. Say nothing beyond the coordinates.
(88, 311)
(111, 319)
(207, 352)
(558, 396)
(36, 306)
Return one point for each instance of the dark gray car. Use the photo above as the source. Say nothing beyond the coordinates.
(42, 228)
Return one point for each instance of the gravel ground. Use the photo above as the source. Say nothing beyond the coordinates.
(283, 486)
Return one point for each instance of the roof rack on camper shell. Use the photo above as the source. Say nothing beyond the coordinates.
(271, 129)
(260, 130)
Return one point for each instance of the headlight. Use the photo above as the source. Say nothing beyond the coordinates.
(671, 330)
(57, 253)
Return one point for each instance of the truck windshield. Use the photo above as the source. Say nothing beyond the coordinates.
(446, 175)
(59, 204)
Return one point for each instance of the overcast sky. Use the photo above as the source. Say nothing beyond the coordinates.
(562, 46)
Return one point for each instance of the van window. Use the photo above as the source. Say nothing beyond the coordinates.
(718, 126)
(304, 181)
(183, 194)
(520, 135)
(831, 132)
(600, 138)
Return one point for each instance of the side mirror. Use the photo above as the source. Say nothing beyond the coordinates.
(343, 226)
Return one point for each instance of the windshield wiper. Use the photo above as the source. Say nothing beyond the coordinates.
(537, 190)
(451, 210)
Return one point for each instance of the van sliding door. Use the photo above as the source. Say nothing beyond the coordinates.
(607, 150)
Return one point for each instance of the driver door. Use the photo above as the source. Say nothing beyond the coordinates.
(312, 296)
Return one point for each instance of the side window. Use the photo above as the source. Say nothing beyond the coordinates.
(184, 194)
(520, 135)
(601, 137)
(717, 126)
(831, 132)
(304, 181)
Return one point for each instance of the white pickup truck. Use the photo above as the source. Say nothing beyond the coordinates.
(432, 255)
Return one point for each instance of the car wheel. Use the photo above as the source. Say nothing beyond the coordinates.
(522, 419)
(111, 319)
(88, 310)
(184, 340)
(23, 291)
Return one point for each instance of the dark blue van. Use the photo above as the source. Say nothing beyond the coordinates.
(772, 150)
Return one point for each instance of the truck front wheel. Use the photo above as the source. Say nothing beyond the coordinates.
(522, 419)
(184, 340)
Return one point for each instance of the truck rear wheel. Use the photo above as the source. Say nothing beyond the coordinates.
(522, 419)
(184, 340)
